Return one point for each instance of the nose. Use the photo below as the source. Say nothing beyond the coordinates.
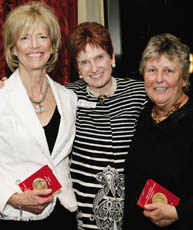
(34, 42)
(93, 66)
(159, 77)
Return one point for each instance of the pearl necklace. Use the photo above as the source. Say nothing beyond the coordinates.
(37, 104)
(107, 94)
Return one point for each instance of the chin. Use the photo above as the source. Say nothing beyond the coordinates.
(160, 103)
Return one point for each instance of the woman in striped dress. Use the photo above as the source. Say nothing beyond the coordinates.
(107, 111)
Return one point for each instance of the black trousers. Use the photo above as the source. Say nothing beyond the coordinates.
(59, 217)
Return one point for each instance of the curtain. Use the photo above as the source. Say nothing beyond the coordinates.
(66, 10)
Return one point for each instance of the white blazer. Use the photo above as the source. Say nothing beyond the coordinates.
(23, 145)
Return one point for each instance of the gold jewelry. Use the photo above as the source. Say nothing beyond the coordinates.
(107, 94)
(39, 108)
(175, 107)
(158, 119)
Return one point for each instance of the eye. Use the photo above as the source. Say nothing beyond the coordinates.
(169, 71)
(83, 62)
(23, 38)
(100, 57)
(151, 70)
(43, 36)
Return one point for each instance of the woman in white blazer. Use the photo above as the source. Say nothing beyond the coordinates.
(37, 124)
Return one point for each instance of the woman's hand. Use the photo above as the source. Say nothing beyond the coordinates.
(161, 214)
(2, 81)
(32, 200)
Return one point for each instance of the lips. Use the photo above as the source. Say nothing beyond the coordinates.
(160, 89)
(95, 76)
(34, 54)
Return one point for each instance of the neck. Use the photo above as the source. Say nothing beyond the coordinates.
(34, 82)
(162, 110)
(159, 114)
(103, 91)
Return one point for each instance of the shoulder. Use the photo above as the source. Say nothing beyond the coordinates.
(10, 84)
(131, 87)
(62, 89)
(9, 92)
(6, 111)
(130, 82)
(78, 87)
(187, 109)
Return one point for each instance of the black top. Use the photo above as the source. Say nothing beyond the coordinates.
(51, 129)
(162, 152)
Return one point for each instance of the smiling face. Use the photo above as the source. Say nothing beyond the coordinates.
(33, 48)
(94, 65)
(163, 81)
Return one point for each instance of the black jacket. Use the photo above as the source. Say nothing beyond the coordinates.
(163, 152)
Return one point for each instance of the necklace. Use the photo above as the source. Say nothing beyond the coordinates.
(175, 107)
(37, 104)
(107, 94)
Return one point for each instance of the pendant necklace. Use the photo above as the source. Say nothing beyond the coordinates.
(157, 119)
(38, 107)
(102, 97)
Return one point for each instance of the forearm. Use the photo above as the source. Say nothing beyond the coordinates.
(31, 201)
(14, 200)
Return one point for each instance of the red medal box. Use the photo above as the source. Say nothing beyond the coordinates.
(155, 193)
(41, 179)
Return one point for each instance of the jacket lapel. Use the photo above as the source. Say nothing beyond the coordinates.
(25, 114)
(67, 122)
(61, 135)
(24, 111)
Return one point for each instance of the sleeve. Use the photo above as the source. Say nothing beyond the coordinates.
(184, 211)
(7, 187)
(67, 196)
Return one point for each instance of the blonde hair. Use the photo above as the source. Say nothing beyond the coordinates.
(21, 18)
(171, 46)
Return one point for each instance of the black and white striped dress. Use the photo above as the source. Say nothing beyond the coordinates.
(103, 136)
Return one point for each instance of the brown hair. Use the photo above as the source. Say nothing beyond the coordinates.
(91, 33)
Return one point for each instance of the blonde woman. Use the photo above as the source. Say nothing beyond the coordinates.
(38, 121)
(162, 145)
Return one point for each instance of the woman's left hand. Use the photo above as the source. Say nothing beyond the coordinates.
(161, 214)
(2, 81)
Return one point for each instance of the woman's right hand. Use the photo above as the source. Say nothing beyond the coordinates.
(161, 214)
(32, 200)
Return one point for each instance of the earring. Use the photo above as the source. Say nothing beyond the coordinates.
(113, 65)
(80, 77)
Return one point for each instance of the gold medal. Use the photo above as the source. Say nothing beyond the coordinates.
(39, 183)
(159, 198)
